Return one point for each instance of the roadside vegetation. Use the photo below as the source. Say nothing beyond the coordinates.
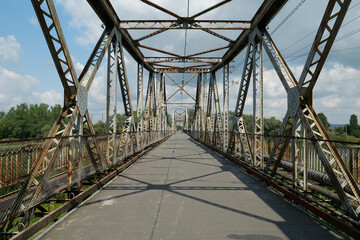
(35, 120)
(347, 133)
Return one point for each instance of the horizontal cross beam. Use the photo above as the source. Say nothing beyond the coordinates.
(183, 59)
(109, 17)
(185, 24)
(263, 16)
(171, 103)
(182, 70)
(177, 67)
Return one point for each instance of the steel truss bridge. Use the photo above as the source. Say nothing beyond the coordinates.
(301, 162)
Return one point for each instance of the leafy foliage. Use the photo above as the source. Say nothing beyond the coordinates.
(35, 120)
(353, 128)
(271, 125)
(324, 120)
(100, 126)
(28, 121)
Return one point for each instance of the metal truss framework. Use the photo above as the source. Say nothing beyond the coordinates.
(210, 123)
(300, 120)
(185, 24)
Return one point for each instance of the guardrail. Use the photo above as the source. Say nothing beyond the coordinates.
(18, 158)
(350, 153)
(315, 191)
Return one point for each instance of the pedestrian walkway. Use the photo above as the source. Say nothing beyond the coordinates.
(183, 190)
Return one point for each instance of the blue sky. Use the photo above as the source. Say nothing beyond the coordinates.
(27, 73)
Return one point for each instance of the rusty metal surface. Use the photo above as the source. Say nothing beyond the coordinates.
(71, 203)
(294, 196)
(44, 167)
(183, 190)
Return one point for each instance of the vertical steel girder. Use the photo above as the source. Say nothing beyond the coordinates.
(197, 124)
(111, 104)
(139, 106)
(163, 107)
(208, 125)
(124, 85)
(240, 103)
(140, 93)
(159, 96)
(153, 105)
(203, 116)
(244, 142)
(226, 78)
(147, 109)
(129, 125)
(300, 106)
(218, 136)
(258, 108)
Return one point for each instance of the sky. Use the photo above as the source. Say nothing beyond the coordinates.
(28, 75)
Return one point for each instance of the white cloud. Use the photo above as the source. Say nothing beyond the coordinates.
(330, 101)
(335, 94)
(51, 97)
(84, 20)
(10, 49)
(17, 89)
(33, 21)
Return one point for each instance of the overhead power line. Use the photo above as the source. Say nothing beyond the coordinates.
(307, 35)
(312, 32)
(288, 16)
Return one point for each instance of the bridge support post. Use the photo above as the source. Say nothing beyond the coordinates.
(258, 107)
(238, 132)
(226, 78)
(111, 104)
(128, 140)
(300, 104)
(140, 93)
(74, 111)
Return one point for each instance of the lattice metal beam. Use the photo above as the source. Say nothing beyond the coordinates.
(187, 23)
(258, 108)
(226, 80)
(182, 70)
(182, 59)
(240, 103)
(298, 106)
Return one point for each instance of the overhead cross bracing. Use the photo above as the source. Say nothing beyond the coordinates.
(232, 46)
(297, 162)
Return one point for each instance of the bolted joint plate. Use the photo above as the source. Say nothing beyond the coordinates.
(293, 101)
(82, 98)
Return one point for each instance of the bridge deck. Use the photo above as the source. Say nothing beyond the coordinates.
(182, 190)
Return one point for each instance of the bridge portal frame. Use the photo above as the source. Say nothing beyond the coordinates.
(211, 127)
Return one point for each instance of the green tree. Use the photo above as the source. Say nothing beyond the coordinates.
(339, 130)
(271, 126)
(324, 120)
(191, 112)
(169, 119)
(28, 121)
(353, 128)
(100, 127)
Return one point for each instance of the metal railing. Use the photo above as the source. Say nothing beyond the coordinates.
(18, 158)
(350, 153)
